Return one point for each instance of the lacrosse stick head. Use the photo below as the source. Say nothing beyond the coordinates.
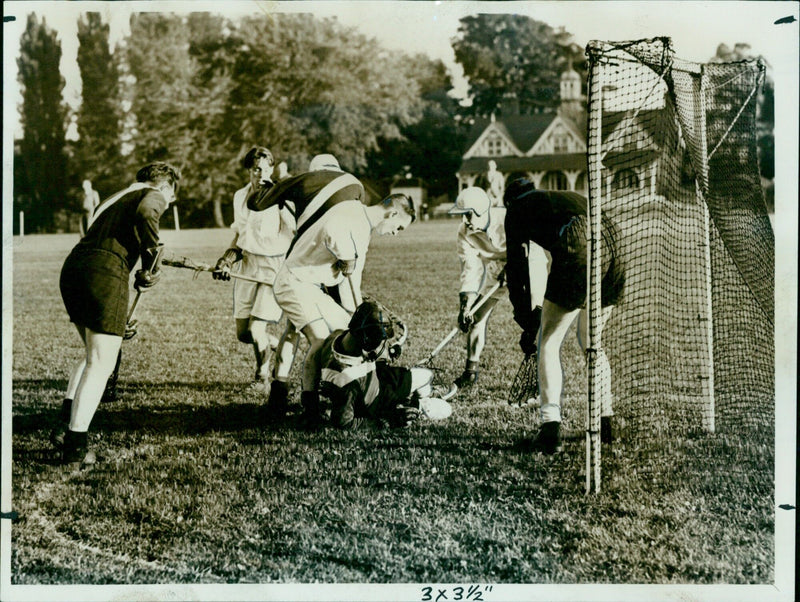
(525, 386)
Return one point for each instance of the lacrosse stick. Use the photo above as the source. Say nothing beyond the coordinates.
(356, 297)
(525, 387)
(185, 262)
(451, 335)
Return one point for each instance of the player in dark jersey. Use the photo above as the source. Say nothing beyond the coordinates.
(556, 222)
(94, 287)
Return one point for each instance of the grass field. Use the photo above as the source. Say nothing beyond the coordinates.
(192, 489)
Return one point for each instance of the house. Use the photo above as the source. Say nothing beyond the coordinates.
(550, 149)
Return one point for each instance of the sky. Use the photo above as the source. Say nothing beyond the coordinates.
(697, 28)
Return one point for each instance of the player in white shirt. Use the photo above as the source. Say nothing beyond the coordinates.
(334, 231)
(482, 252)
(260, 242)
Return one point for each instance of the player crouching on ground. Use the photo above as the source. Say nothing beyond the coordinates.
(482, 251)
(260, 242)
(362, 387)
(556, 222)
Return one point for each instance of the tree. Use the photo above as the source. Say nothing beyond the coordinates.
(433, 145)
(513, 56)
(43, 116)
(98, 150)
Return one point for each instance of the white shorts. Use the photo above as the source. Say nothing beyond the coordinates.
(251, 299)
(305, 302)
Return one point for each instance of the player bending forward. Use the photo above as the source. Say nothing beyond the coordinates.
(94, 287)
(556, 222)
(334, 229)
(362, 387)
(482, 251)
(260, 242)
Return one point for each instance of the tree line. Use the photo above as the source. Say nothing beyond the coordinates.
(198, 90)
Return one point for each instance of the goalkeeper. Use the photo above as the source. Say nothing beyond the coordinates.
(556, 222)
(260, 243)
(94, 286)
(357, 379)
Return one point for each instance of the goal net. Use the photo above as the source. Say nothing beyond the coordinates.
(672, 160)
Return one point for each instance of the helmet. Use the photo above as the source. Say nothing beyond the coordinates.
(324, 162)
(471, 199)
(371, 326)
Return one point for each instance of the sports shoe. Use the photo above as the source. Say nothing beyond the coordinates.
(76, 452)
(312, 416)
(257, 386)
(606, 435)
(467, 378)
(548, 441)
(444, 392)
(278, 400)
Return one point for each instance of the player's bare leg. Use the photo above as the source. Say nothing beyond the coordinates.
(57, 434)
(555, 323)
(284, 360)
(316, 332)
(261, 347)
(476, 341)
(101, 354)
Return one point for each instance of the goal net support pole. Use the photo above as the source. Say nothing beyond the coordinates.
(593, 279)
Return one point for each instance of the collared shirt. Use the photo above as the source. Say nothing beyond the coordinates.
(342, 233)
(476, 248)
(268, 233)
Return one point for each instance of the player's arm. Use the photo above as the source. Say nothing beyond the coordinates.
(343, 405)
(517, 274)
(270, 194)
(148, 213)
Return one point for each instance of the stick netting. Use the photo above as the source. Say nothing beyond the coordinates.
(691, 347)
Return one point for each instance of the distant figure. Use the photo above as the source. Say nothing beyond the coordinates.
(91, 199)
(283, 171)
(497, 185)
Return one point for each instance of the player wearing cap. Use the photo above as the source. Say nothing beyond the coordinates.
(482, 251)
(556, 222)
(363, 388)
(260, 242)
(334, 228)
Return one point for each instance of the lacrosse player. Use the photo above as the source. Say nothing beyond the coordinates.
(94, 287)
(358, 380)
(497, 185)
(260, 242)
(482, 251)
(334, 228)
(556, 222)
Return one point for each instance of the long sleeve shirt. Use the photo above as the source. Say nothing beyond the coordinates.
(476, 248)
(126, 224)
(537, 216)
(343, 233)
(268, 233)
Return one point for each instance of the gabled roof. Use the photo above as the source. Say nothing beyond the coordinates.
(522, 130)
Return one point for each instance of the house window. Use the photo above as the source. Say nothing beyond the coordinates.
(626, 178)
(555, 180)
(494, 145)
(560, 142)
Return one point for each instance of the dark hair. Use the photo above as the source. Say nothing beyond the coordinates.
(402, 201)
(371, 325)
(159, 172)
(257, 152)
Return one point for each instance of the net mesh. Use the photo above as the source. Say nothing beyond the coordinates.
(691, 347)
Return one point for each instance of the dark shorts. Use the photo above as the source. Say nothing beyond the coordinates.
(566, 282)
(94, 287)
(395, 384)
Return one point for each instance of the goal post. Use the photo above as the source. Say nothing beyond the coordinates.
(672, 161)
